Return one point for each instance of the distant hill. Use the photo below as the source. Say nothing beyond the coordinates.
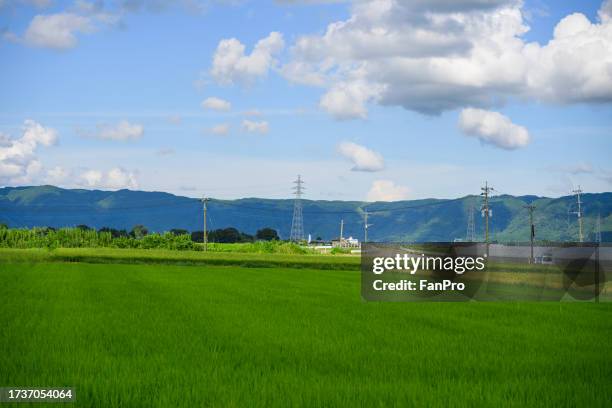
(412, 220)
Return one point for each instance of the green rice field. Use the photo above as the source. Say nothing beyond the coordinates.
(238, 334)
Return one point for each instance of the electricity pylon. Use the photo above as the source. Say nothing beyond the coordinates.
(297, 224)
(486, 211)
(578, 213)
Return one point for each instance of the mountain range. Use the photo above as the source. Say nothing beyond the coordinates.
(423, 220)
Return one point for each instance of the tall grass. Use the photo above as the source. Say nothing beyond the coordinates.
(82, 238)
(49, 238)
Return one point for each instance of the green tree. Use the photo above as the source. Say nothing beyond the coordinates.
(139, 231)
(197, 236)
(267, 234)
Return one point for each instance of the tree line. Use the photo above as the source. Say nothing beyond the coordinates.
(138, 237)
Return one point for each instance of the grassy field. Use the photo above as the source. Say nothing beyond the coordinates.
(157, 335)
(169, 257)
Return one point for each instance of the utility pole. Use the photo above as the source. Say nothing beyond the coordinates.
(205, 232)
(486, 212)
(578, 213)
(598, 229)
(341, 229)
(531, 208)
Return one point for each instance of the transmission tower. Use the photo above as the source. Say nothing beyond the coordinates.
(486, 211)
(578, 213)
(471, 226)
(297, 224)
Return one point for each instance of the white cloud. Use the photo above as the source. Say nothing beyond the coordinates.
(347, 100)
(493, 128)
(91, 178)
(56, 175)
(116, 178)
(220, 129)
(576, 65)
(433, 56)
(123, 130)
(120, 178)
(387, 190)
(255, 127)
(57, 30)
(61, 30)
(18, 161)
(218, 104)
(363, 159)
(231, 65)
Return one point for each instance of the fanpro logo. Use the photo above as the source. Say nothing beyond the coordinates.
(412, 264)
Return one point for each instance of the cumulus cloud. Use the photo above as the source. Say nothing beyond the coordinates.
(123, 130)
(493, 128)
(434, 56)
(57, 30)
(218, 104)
(363, 159)
(114, 179)
(387, 190)
(347, 100)
(61, 30)
(220, 129)
(18, 160)
(232, 65)
(255, 126)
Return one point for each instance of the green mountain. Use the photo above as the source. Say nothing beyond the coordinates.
(412, 220)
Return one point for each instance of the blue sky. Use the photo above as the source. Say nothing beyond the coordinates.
(367, 100)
